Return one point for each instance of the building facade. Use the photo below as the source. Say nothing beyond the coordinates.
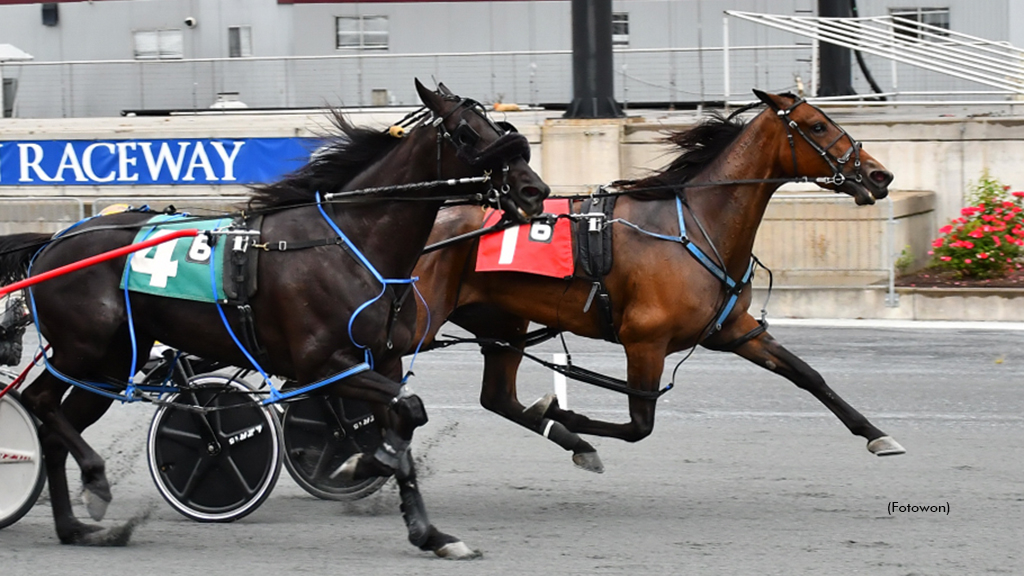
(102, 57)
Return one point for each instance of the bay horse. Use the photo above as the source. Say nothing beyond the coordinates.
(322, 306)
(664, 299)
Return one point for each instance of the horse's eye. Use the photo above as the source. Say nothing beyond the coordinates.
(819, 128)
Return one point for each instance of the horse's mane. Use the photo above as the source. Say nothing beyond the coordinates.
(700, 145)
(343, 155)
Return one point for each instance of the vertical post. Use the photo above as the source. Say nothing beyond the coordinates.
(892, 299)
(593, 74)
(359, 75)
(561, 391)
(727, 88)
(625, 87)
(815, 67)
(892, 61)
(836, 78)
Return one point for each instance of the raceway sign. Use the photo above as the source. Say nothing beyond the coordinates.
(141, 162)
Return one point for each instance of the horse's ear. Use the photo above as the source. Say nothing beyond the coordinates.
(429, 98)
(441, 88)
(767, 99)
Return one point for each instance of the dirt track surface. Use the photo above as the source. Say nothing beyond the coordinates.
(744, 474)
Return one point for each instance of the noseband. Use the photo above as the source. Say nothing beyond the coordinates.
(835, 163)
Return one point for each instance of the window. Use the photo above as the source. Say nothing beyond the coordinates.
(938, 17)
(620, 28)
(239, 41)
(362, 32)
(158, 45)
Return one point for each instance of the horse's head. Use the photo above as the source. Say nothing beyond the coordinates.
(820, 148)
(474, 144)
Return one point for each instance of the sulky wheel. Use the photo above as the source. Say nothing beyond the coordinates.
(320, 433)
(22, 473)
(220, 465)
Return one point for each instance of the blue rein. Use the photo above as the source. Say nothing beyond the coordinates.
(129, 393)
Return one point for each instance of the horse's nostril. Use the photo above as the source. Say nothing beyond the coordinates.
(882, 177)
(531, 191)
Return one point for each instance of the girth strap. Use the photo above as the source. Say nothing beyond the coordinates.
(732, 346)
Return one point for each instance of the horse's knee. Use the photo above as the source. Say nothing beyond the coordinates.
(410, 409)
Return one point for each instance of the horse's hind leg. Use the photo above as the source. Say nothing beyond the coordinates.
(60, 434)
(498, 394)
(766, 352)
(498, 390)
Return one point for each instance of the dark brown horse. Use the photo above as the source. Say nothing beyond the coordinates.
(321, 307)
(663, 299)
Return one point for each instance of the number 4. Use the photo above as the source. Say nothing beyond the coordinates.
(160, 266)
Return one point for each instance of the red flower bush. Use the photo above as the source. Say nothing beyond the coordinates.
(987, 237)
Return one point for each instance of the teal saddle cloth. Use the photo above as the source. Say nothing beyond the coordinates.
(180, 268)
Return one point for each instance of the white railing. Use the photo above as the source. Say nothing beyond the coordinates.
(976, 60)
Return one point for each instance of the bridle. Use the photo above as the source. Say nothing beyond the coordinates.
(495, 156)
(835, 163)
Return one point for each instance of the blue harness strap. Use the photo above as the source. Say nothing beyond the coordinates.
(732, 287)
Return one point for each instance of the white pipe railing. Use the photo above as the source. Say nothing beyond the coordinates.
(909, 42)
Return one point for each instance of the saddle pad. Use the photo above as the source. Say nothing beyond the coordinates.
(541, 247)
(179, 268)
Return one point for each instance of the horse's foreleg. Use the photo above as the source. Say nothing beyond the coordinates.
(498, 394)
(645, 362)
(422, 533)
(404, 414)
(766, 352)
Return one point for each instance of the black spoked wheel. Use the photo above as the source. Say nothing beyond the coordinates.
(320, 433)
(22, 473)
(216, 466)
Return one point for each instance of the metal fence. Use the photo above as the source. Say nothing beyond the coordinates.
(105, 88)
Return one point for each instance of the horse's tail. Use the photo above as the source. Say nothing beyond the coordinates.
(16, 251)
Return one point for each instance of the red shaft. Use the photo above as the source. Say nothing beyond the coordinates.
(97, 259)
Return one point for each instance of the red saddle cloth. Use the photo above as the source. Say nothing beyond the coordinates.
(537, 248)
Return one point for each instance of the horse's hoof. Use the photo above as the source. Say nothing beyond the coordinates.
(347, 471)
(458, 551)
(95, 504)
(360, 467)
(74, 531)
(589, 461)
(113, 536)
(885, 446)
(538, 409)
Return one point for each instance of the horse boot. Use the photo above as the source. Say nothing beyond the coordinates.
(423, 534)
(409, 408)
(583, 454)
(389, 459)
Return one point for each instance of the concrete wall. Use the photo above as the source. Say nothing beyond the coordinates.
(935, 154)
